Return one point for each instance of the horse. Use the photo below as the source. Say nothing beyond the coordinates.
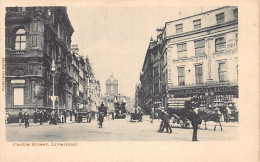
(212, 114)
(189, 114)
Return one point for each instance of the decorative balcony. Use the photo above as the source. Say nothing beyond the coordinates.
(17, 52)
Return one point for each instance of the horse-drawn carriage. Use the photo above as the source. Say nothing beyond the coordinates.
(120, 110)
(83, 114)
(137, 115)
(175, 107)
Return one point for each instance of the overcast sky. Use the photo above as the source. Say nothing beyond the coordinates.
(116, 38)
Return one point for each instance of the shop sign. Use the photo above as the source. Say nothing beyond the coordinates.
(204, 90)
(191, 59)
(17, 81)
(225, 53)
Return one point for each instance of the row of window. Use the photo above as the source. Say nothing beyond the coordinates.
(220, 18)
(222, 73)
(220, 44)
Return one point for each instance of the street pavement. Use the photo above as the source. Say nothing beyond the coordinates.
(116, 130)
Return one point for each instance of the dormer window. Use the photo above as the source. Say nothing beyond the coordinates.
(197, 24)
(220, 18)
(179, 28)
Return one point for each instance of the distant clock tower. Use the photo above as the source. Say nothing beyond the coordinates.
(111, 86)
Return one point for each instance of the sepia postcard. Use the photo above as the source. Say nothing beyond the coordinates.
(130, 81)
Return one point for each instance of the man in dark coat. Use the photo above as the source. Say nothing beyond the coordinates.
(26, 119)
(53, 116)
(71, 113)
(100, 119)
(65, 116)
(193, 116)
(45, 116)
(20, 116)
(40, 115)
(167, 123)
(35, 116)
(162, 116)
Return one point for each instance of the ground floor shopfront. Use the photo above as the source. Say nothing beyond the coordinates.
(209, 94)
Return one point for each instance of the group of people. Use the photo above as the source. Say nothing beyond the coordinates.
(56, 118)
(40, 116)
(23, 117)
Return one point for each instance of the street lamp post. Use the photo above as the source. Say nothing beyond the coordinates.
(53, 69)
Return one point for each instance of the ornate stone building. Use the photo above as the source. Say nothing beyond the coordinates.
(34, 37)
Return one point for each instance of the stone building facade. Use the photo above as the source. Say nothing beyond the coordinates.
(198, 56)
(35, 37)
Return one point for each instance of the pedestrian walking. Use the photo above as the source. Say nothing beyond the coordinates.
(40, 116)
(152, 115)
(35, 116)
(162, 116)
(89, 117)
(113, 116)
(57, 117)
(71, 113)
(20, 117)
(45, 116)
(53, 118)
(62, 117)
(167, 123)
(75, 115)
(100, 119)
(26, 119)
(65, 115)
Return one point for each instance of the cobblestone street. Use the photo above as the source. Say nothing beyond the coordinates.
(116, 130)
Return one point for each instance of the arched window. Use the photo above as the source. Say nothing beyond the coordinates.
(20, 40)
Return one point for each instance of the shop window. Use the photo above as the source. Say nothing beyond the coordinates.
(179, 28)
(199, 47)
(197, 24)
(198, 74)
(220, 44)
(181, 77)
(220, 18)
(182, 50)
(222, 72)
(20, 40)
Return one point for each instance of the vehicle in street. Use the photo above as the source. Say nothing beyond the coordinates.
(120, 109)
(83, 114)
